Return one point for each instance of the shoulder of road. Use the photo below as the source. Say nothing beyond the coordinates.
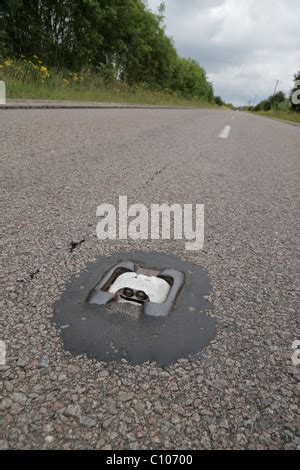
(54, 104)
(287, 121)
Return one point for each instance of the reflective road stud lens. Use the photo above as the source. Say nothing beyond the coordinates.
(128, 292)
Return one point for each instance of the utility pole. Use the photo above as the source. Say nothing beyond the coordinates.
(276, 85)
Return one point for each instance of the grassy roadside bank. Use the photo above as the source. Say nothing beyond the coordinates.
(31, 79)
(284, 115)
(16, 89)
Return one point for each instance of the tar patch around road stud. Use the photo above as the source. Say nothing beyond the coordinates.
(136, 306)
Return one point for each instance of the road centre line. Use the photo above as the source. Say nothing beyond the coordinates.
(224, 134)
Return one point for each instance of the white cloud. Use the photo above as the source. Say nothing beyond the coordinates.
(243, 44)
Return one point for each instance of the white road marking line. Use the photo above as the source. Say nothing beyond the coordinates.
(225, 132)
(2, 353)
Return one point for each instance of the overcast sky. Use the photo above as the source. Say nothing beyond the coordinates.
(242, 44)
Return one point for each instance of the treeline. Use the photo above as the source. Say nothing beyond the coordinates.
(272, 102)
(120, 39)
(219, 101)
(279, 101)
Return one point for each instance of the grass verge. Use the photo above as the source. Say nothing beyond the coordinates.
(284, 115)
(17, 89)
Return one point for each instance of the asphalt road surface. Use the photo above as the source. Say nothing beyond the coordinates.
(58, 165)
